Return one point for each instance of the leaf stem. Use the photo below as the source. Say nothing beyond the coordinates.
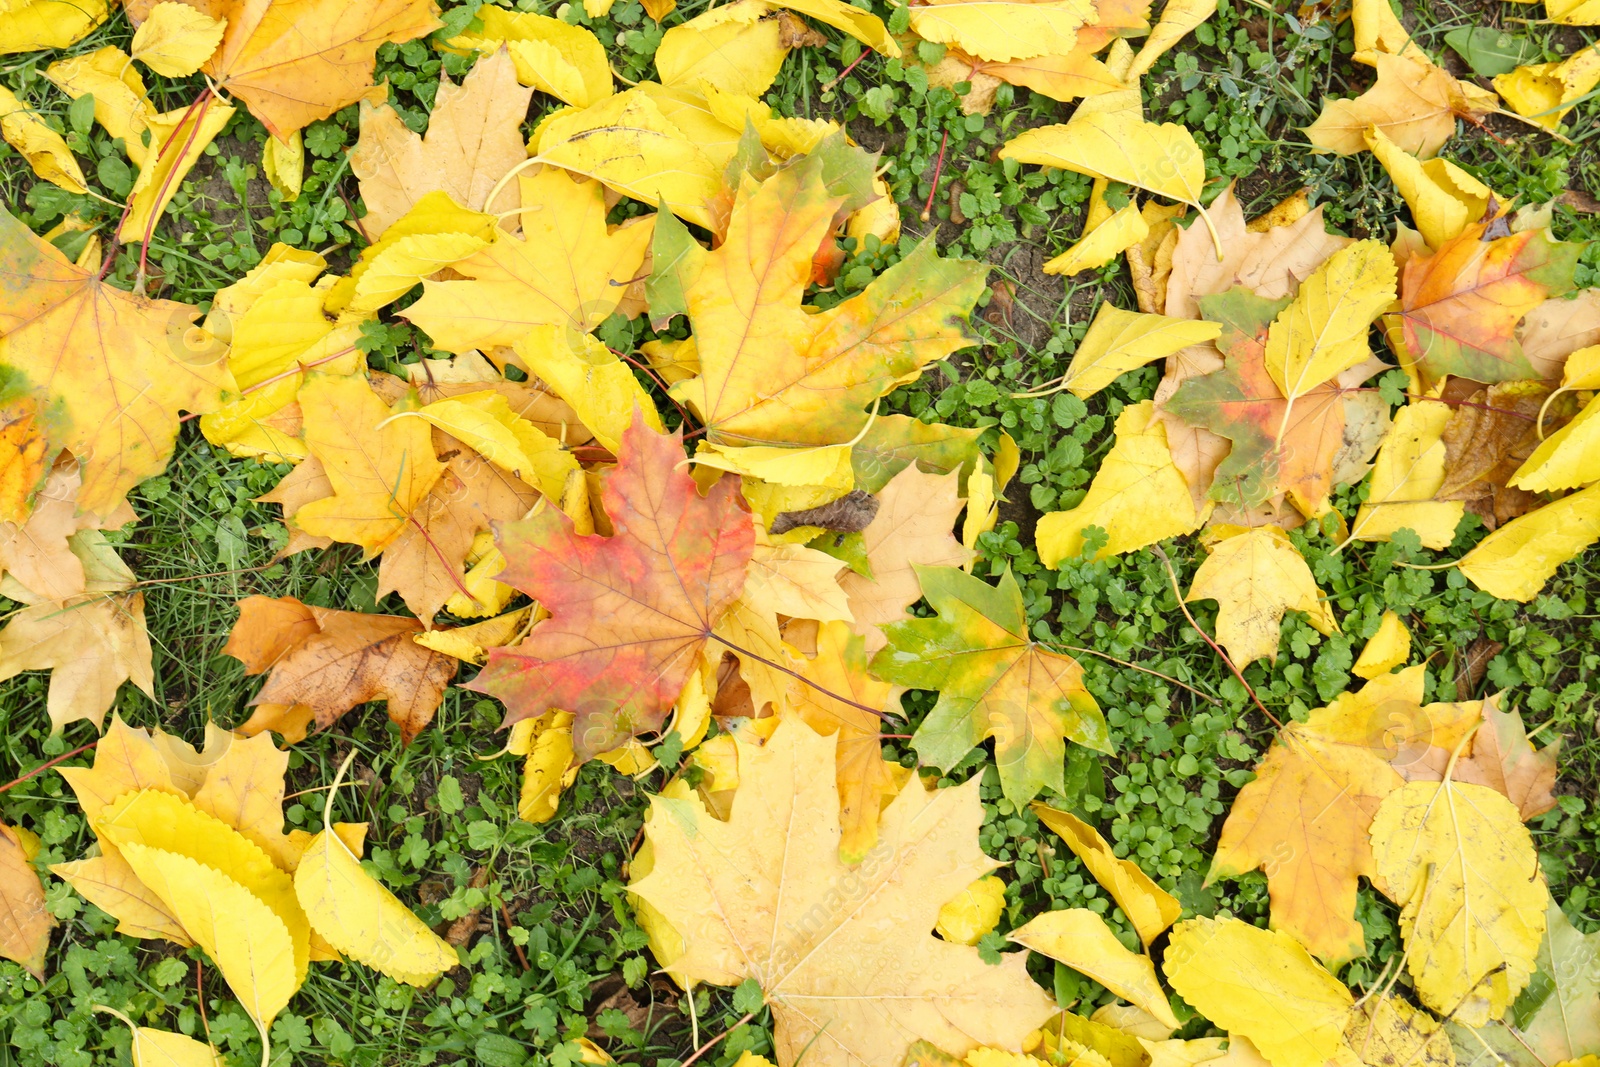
(938, 167)
(203, 104)
(709, 1045)
(299, 368)
(338, 779)
(1135, 667)
(47, 765)
(797, 675)
(1211, 228)
(865, 52)
(1178, 593)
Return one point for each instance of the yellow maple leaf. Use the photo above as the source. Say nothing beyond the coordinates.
(92, 641)
(1463, 869)
(1414, 103)
(1305, 818)
(564, 270)
(796, 581)
(243, 788)
(25, 927)
(474, 138)
(380, 470)
(913, 528)
(744, 305)
(833, 974)
(1255, 577)
(1262, 984)
(112, 368)
(38, 554)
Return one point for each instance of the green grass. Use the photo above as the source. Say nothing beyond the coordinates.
(440, 814)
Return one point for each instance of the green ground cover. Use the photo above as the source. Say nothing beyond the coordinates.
(558, 954)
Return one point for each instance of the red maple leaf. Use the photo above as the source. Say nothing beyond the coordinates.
(629, 613)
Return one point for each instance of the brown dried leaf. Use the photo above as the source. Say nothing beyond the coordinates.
(351, 659)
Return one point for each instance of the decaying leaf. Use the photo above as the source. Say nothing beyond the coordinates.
(1389, 1032)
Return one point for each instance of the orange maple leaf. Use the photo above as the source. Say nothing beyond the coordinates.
(296, 61)
(630, 612)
